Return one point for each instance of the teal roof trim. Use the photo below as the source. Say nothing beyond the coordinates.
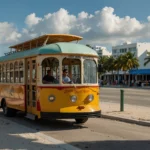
(56, 48)
(74, 48)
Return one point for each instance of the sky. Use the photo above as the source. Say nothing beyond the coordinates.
(100, 22)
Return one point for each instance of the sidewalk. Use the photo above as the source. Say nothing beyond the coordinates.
(131, 114)
(18, 137)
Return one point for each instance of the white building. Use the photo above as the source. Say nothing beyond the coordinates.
(102, 51)
(139, 49)
(142, 73)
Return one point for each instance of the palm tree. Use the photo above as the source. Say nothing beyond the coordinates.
(129, 61)
(147, 59)
(118, 64)
(88, 45)
(102, 61)
(110, 65)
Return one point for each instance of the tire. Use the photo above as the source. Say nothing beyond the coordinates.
(8, 112)
(81, 120)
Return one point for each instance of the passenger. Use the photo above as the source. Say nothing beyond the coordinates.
(48, 78)
(65, 78)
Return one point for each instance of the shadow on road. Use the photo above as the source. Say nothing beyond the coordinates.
(45, 125)
(113, 145)
(14, 136)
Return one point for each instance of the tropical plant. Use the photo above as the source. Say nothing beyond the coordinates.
(147, 59)
(88, 45)
(129, 61)
(110, 65)
(123, 62)
(103, 62)
(118, 64)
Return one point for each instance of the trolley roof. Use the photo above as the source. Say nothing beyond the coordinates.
(53, 49)
(44, 40)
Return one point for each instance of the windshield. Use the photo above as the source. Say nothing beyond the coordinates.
(71, 69)
(90, 71)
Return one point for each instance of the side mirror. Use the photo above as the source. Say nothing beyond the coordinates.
(100, 68)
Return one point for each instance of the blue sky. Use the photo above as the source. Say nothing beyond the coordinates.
(21, 20)
(17, 10)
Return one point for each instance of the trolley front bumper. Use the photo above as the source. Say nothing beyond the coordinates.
(56, 115)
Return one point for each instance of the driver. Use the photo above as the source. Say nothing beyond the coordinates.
(48, 78)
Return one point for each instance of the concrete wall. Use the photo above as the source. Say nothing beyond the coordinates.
(142, 49)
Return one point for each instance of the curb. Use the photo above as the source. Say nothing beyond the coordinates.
(132, 121)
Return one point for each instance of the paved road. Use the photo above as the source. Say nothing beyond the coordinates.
(96, 134)
(140, 97)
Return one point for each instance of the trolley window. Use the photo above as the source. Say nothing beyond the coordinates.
(90, 71)
(16, 73)
(4, 73)
(50, 70)
(21, 79)
(73, 68)
(11, 72)
(7, 73)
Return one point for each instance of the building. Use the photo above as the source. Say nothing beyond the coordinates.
(102, 51)
(139, 49)
(137, 74)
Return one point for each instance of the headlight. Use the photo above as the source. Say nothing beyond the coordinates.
(91, 97)
(73, 98)
(51, 98)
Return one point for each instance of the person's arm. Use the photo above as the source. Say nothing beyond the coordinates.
(69, 80)
(44, 81)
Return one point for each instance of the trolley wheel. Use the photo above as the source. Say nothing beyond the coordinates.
(9, 112)
(81, 120)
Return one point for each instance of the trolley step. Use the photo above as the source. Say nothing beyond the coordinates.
(30, 116)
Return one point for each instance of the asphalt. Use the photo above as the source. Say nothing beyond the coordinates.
(16, 136)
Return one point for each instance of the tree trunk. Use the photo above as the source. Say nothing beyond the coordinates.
(125, 81)
(112, 77)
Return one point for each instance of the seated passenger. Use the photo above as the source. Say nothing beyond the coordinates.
(65, 78)
(48, 78)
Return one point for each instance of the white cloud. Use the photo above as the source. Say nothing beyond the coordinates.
(112, 24)
(58, 22)
(148, 18)
(83, 15)
(104, 26)
(8, 33)
(101, 27)
(32, 20)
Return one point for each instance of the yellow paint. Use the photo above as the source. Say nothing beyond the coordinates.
(14, 96)
(63, 103)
